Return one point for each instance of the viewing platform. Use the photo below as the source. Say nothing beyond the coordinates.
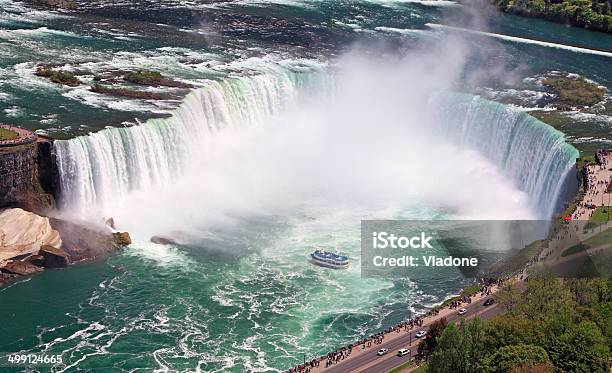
(14, 136)
(598, 187)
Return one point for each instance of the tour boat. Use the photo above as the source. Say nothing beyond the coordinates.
(329, 260)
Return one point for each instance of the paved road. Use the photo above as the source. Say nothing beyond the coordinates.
(370, 362)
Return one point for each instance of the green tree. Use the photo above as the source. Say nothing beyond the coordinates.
(427, 345)
(605, 310)
(509, 297)
(544, 297)
(459, 348)
(533, 368)
(506, 330)
(581, 349)
(587, 291)
(509, 357)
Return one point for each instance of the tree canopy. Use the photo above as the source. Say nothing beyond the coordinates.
(552, 325)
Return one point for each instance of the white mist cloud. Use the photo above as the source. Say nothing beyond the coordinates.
(371, 148)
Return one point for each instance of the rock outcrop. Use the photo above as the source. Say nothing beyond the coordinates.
(164, 240)
(29, 243)
(110, 222)
(62, 77)
(23, 233)
(153, 79)
(130, 93)
(61, 4)
(82, 241)
(53, 257)
(20, 268)
(122, 239)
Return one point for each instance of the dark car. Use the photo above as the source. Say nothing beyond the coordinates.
(488, 302)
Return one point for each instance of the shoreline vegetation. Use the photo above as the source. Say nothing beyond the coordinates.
(573, 91)
(58, 76)
(593, 15)
(549, 325)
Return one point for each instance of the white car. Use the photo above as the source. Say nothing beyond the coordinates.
(462, 311)
(382, 351)
(403, 352)
(420, 333)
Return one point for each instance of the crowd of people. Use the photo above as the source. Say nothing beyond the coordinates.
(595, 187)
(601, 155)
(344, 352)
(457, 303)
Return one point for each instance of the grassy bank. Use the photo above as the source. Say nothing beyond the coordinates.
(602, 213)
(6, 134)
(407, 365)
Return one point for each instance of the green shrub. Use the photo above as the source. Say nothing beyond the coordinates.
(58, 76)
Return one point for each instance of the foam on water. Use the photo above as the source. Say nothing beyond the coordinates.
(435, 3)
(162, 255)
(524, 40)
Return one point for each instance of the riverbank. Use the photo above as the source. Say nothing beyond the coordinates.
(30, 243)
(32, 235)
(361, 354)
(591, 14)
(598, 177)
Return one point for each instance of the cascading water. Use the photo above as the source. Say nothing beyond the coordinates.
(101, 168)
(531, 153)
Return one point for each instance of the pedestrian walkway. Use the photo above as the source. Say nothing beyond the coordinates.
(372, 343)
(23, 136)
(598, 180)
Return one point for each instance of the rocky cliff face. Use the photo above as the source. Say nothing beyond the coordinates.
(23, 233)
(29, 240)
(82, 241)
(28, 177)
(29, 243)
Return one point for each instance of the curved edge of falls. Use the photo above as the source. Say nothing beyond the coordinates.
(100, 169)
(530, 152)
(103, 167)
